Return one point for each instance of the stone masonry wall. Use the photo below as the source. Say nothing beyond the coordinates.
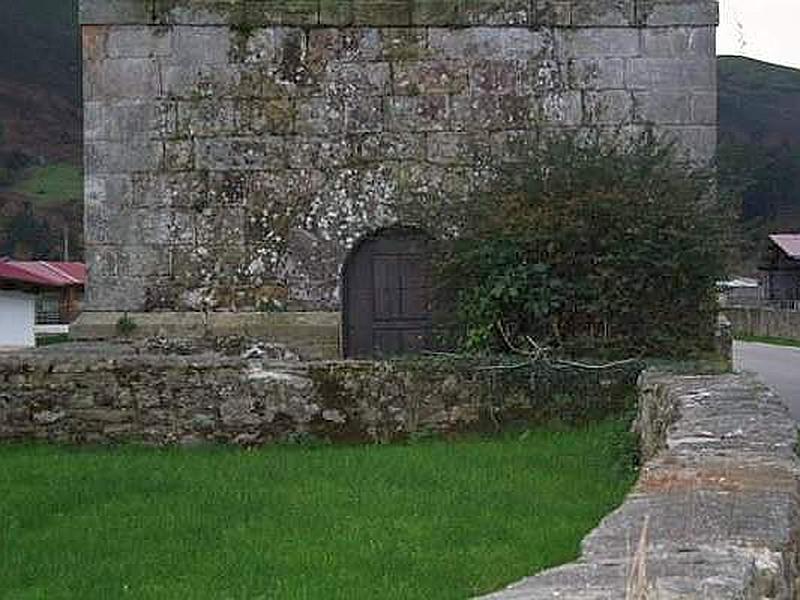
(85, 393)
(236, 150)
(719, 493)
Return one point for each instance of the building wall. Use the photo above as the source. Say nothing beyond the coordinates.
(236, 150)
(17, 316)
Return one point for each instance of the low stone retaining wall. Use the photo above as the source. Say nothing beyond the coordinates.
(719, 491)
(96, 394)
(769, 322)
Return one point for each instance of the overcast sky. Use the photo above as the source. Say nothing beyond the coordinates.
(762, 29)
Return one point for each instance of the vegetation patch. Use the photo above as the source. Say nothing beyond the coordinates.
(765, 339)
(424, 520)
(598, 245)
(52, 183)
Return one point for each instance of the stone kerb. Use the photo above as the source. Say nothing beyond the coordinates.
(720, 497)
(402, 13)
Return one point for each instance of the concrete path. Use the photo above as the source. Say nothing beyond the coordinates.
(777, 366)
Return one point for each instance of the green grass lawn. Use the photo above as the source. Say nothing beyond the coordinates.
(430, 520)
(52, 183)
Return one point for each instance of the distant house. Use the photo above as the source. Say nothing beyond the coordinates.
(37, 293)
(740, 291)
(780, 270)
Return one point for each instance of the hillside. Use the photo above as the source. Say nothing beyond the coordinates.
(758, 102)
(40, 128)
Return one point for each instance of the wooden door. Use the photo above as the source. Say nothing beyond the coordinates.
(387, 296)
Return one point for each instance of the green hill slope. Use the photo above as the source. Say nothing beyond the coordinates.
(758, 102)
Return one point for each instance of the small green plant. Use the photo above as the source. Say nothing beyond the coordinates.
(126, 326)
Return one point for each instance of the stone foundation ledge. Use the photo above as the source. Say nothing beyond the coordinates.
(719, 492)
(313, 335)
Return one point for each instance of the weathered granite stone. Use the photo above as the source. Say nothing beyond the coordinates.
(719, 494)
(342, 117)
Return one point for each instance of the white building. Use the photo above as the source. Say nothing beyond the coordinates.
(17, 319)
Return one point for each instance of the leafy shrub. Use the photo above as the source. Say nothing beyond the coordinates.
(598, 244)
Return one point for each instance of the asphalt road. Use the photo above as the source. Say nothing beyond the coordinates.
(777, 366)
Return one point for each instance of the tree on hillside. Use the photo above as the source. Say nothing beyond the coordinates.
(29, 237)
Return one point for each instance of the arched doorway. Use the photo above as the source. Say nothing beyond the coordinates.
(387, 295)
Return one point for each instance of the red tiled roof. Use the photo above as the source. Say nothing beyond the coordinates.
(43, 273)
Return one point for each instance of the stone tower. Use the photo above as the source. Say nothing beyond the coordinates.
(235, 151)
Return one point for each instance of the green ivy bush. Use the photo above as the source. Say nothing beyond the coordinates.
(598, 244)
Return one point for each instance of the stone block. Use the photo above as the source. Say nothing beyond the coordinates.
(704, 108)
(406, 44)
(139, 42)
(514, 145)
(200, 46)
(115, 12)
(94, 39)
(596, 73)
(122, 79)
(207, 117)
(157, 190)
(265, 116)
(604, 13)
(389, 146)
(697, 143)
(434, 13)
(322, 152)
(179, 155)
(336, 14)
(539, 77)
(552, 13)
(612, 107)
(346, 45)
(122, 157)
(320, 116)
(671, 74)
(600, 42)
(357, 79)
(665, 108)
(199, 81)
(197, 12)
(495, 12)
(497, 43)
(296, 12)
(559, 108)
(430, 77)
(128, 120)
(678, 42)
(456, 148)
(111, 192)
(114, 293)
(658, 13)
(264, 152)
(382, 13)
(363, 115)
(495, 77)
(416, 113)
